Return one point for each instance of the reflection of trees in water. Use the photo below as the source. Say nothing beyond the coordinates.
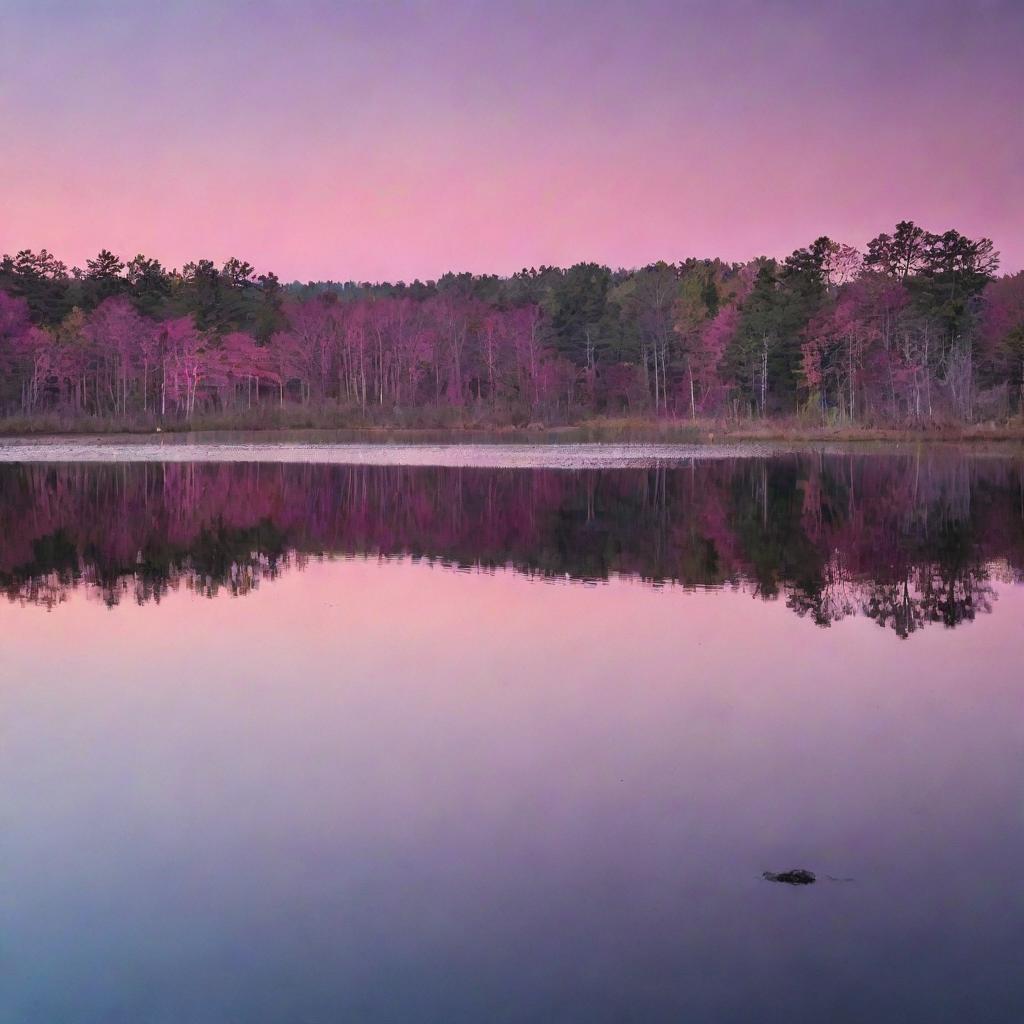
(911, 541)
(905, 540)
(929, 594)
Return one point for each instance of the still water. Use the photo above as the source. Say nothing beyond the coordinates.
(329, 742)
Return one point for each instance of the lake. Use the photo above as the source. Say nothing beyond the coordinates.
(312, 733)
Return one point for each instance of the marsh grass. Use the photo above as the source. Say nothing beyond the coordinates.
(463, 424)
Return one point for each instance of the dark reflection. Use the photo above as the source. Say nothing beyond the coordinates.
(906, 540)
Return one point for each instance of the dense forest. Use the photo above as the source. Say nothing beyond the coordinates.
(916, 330)
(907, 540)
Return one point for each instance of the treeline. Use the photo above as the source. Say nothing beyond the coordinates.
(917, 329)
(904, 540)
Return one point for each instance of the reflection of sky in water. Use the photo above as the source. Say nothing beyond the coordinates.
(385, 791)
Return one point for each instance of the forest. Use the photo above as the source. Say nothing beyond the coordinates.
(917, 330)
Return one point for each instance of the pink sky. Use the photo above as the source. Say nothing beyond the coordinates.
(395, 140)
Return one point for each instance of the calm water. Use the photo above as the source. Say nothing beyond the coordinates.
(314, 742)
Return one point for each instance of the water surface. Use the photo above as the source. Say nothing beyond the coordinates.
(306, 742)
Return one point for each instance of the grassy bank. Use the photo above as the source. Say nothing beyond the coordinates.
(446, 424)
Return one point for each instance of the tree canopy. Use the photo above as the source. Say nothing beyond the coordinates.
(917, 327)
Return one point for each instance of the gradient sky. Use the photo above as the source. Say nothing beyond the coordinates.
(394, 140)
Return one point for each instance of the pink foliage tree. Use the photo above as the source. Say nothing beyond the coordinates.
(122, 343)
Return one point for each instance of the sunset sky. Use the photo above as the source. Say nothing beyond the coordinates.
(396, 140)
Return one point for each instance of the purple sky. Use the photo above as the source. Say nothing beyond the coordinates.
(387, 140)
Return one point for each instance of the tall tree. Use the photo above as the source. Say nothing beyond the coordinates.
(103, 278)
(901, 254)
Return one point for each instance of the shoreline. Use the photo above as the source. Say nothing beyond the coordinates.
(598, 431)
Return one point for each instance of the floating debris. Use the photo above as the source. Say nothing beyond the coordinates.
(798, 876)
